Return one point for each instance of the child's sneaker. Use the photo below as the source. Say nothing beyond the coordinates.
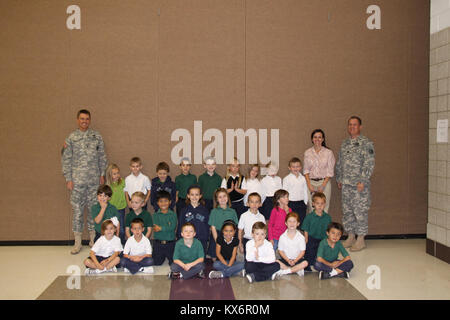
(90, 271)
(277, 275)
(324, 275)
(113, 269)
(242, 273)
(126, 270)
(250, 277)
(215, 275)
(148, 270)
(175, 275)
(201, 274)
(344, 275)
(301, 273)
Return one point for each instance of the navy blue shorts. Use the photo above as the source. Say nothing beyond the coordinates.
(99, 258)
(287, 263)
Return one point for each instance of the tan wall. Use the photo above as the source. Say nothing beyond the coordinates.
(232, 64)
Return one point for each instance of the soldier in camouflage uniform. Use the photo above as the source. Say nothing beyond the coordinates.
(83, 163)
(353, 171)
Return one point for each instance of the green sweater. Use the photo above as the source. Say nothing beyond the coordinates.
(209, 184)
(167, 222)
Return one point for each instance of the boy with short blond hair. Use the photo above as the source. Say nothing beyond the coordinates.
(295, 184)
(209, 182)
(163, 182)
(137, 211)
(137, 181)
(315, 227)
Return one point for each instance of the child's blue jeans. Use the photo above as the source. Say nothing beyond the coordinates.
(226, 270)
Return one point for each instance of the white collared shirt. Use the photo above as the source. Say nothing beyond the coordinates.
(140, 183)
(134, 248)
(252, 185)
(292, 247)
(270, 185)
(247, 220)
(297, 187)
(266, 254)
(105, 248)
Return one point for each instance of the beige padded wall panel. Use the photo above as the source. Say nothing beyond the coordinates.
(147, 68)
(202, 70)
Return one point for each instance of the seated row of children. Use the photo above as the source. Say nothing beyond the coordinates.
(186, 256)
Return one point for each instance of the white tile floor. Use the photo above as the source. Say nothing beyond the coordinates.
(406, 271)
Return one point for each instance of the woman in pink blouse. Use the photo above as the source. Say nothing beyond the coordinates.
(318, 168)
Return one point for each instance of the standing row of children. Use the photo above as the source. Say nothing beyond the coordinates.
(202, 229)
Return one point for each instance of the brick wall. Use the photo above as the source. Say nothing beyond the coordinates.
(438, 227)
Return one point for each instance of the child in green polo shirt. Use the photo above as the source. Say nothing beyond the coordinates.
(188, 256)
(182, 183)
(327, 262)
(118, 200)
(164, 228)
(137, 206)
(209, 182)
(315, 227)
(102, 211)
(221, 213)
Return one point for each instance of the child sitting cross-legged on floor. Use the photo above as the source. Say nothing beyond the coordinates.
(188, 256)
(104, 255)
(291, 246)
(137, 254)
(260, 264)
(327, 262)
(227, 244)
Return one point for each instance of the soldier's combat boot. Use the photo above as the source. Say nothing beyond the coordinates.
(91, 238)
(359, 244)
(350, 241)
(77, 246)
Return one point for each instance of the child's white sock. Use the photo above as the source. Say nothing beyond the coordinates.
(333, 273)
(286, 271)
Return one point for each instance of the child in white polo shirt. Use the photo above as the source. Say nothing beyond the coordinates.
(137, 254)
(292, 246)
(104, 255)
(248, 219)
(295, 184)
(137, 181)
(270, 184)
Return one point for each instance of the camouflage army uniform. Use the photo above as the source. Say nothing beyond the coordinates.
(83, 162)
(355, 164)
